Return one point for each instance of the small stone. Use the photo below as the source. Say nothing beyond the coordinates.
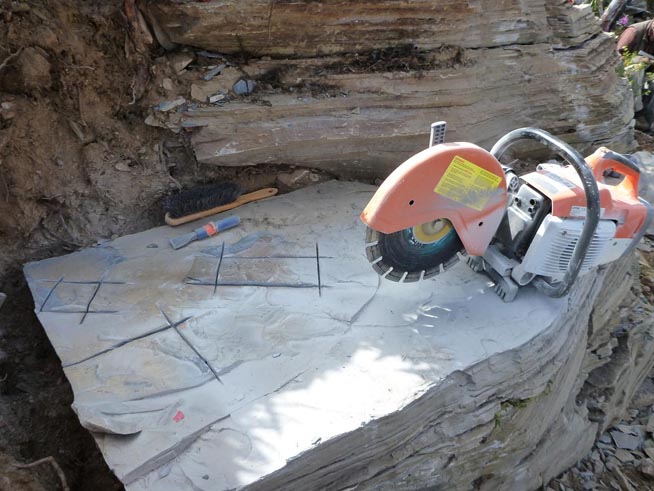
(605, 438)
(216, 98)
(198, 94)
(649, 451)
(633, 413)
(180, 61)
(296, 178)
(170, 105)
(276, 355)
(644, 396)
(598, 467)
(604, 352)
(8, 110)
(167, 84)
(630, 430)
(586, 476)
(243, 87)
(79, 132)
(205, 477)
(647, 467)
(3, 297)
(606, 448)
(20, 7)
(34, 69)
(650, 424)
(210, 54)
(152, 246)
(47, 39)
(625, 441)
(122, 166)
(213, 72)
(152, 120)
(624, 455)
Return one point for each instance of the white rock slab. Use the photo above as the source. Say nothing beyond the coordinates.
(214, 366)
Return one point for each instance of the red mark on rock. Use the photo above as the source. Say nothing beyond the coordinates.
(178, 417)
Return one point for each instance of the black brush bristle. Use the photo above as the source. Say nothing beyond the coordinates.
(201, 198)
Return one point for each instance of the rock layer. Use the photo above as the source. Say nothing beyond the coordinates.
(352, 86)
(276, 361)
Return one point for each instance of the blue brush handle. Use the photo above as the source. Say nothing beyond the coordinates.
(226, 223)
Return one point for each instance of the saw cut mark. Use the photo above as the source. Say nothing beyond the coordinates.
(51, 291)
(69, 309)
(318, 268)
(268, 271)
(220, 262)
(95, 292)
(467, 184)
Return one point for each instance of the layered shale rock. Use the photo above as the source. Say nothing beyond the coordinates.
(352, 87)
(272, 357)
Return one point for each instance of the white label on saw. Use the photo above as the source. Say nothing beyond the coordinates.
(580, 212)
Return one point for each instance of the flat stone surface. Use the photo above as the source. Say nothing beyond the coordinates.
(626, 441)
(214, 366)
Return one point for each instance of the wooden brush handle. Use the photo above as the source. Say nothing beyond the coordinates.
(241, 200)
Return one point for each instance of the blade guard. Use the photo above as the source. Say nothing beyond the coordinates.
(458, 181)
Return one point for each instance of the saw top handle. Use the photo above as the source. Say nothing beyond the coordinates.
(592, 201)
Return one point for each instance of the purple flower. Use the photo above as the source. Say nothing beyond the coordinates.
(623, 21)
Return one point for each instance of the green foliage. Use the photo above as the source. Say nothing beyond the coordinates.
(631, 63)
(597, 6)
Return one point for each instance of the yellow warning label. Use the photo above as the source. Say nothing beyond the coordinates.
(467, 183)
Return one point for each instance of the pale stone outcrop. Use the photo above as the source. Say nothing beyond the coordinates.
(353, 86)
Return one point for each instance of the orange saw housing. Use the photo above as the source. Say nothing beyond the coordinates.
(458, 181)
(618, 202)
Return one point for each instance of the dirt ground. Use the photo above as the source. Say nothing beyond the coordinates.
(78, 165)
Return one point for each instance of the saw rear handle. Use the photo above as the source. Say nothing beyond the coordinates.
(621, 164)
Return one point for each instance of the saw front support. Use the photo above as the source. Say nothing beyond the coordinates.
(544, 228)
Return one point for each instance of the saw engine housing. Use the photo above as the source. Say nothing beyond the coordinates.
(545, 227)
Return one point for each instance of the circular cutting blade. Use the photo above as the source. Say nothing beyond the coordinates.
(417, 252)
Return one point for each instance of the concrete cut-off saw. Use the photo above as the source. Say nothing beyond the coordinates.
(545, 228)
